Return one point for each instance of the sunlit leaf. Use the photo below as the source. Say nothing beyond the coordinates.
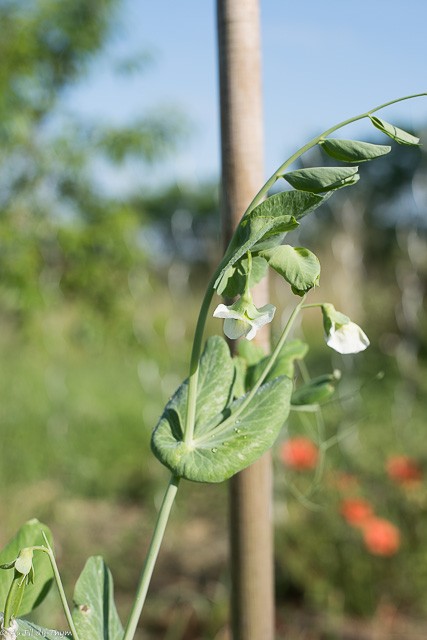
(220, 450)
(297, 265)
(267, 224)
(353, 150)
(29, 535)
(399, 135)
(94, 614)
(320, 179)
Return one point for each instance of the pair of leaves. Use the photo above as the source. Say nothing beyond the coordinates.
(266, 226)
(315, 391)
(95, 615)
(222, 445)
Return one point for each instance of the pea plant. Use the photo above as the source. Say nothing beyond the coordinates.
(229, 410)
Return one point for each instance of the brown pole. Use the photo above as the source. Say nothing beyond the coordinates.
(251, 539)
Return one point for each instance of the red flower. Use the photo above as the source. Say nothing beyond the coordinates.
(356, 511)
(404, 470)
(381, 537)
(299, 453)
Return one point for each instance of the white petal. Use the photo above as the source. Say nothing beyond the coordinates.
(348, 338)
(234, 329)
(222, 311)
(252, 333)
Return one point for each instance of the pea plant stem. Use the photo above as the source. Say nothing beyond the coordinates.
(151, 558)
(49, 551)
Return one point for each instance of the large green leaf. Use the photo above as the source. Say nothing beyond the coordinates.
(321, 179)
(215, 382)
(353, 150)
(94, 613)
(297, 265)
(29, 535)
(399, 135)
(28, 629)
(226, 445)
(267, 224)
(283, 366)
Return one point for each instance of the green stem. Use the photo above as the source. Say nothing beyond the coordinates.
(14, 599)
(265, 372)
(48, 549)
(151, 558)
(194, 362)
(312, 143)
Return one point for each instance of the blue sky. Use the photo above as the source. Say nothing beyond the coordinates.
(322, 62)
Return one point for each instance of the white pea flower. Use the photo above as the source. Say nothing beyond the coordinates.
(243, 319)
(341, 333)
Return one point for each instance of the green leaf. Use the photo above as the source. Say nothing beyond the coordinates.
(297, 265)
(241, 366)
(234, 279)
(214, 389)
(29, 535)
(317, 390)
(320, 179)
(28, 629)
(250, 351)
(94, 613)
(283, 366)
(227, 446)
(399, 135)
(267, 224)
(353, 150)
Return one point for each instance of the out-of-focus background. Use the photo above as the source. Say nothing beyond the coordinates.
(109, 228)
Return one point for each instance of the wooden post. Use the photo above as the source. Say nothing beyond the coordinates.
(251, 539)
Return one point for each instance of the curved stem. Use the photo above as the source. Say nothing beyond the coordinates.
(312, 143)
(194, 362)
(151, 558)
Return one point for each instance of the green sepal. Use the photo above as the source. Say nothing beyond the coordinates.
(233, 282)
(321, 179)
(353, 150)
(283, 366)
(316, 391)
(95, 615)
(226, 445)
(297, 265)
(332, 317)
(398, 135)
(29, 535)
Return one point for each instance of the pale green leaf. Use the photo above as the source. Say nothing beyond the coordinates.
(297, 265)
(283, 366)
(321, 179)
(227, 446)
(29, 535)
(353, 150)
(267, 224)
(250, 352)
(399, 135)
(94, 614)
